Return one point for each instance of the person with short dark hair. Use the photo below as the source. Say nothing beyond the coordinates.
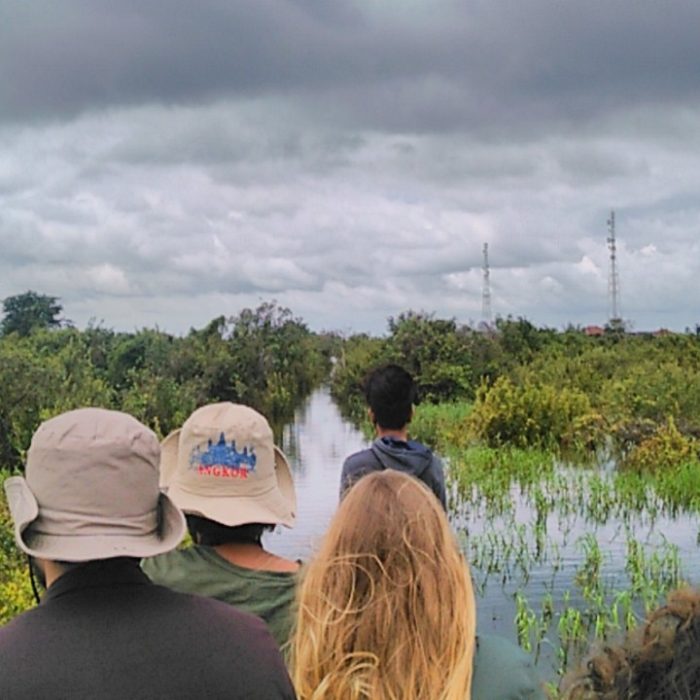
(660, 660)
(233, 484)
(88, 509)
(391, 394)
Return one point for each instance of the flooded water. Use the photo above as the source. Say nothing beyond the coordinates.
(540, 557)
(316, 444)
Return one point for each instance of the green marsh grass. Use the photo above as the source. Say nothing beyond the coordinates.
(524, 511)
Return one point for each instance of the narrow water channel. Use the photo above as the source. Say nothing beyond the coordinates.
(316, 443)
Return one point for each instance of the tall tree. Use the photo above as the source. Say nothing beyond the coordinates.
(25, 312)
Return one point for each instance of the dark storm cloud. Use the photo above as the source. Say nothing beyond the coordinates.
(416, 66)
(166, 162)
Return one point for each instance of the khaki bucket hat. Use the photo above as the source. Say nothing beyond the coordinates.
(227, 468)
(90, 491)
(168, 458)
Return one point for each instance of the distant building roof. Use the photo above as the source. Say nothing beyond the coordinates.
(594, 330)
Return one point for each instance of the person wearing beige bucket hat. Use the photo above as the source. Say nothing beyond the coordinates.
(224, 471)
(87, 510)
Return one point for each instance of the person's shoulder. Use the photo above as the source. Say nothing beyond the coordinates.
(23, 636)
(420, 446)
(216, 616)
(222, 641)
(166, 565)
(356, 466)
(435, 457)
(358, 462)
(503, 671)
(358, 457)
(436, 463)
(21, 626)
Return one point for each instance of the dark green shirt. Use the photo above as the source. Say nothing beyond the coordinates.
(198, 569)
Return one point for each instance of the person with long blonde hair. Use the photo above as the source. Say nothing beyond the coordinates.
(386, 610)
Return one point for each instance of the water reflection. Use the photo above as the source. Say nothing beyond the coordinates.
(316, 444)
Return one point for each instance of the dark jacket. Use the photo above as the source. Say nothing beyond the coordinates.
(103, 630)
(389, 453)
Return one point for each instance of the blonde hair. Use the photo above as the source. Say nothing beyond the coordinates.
(386, 610)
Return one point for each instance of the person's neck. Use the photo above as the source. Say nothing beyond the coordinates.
(252, 555)
(400, 434)
(51, 571)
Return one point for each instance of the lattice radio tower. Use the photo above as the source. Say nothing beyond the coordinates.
(613, 279)
(486, 291)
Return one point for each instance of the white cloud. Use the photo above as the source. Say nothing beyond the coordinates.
(108, 279)
(171, 215)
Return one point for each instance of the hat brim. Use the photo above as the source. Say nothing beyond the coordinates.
(275, 507)
(79, 548)
(168, 459)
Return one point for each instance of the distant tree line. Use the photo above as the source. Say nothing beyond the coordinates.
(531, 386)
(525, 385)
(264, 357)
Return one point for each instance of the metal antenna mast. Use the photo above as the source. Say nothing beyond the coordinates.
(486, 292)
(613, 279)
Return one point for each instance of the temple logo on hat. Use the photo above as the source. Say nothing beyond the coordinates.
(223, 459)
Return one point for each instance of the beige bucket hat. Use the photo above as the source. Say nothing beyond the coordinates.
(223, 465)
(90, 491)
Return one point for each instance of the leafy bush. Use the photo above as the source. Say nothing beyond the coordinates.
(442, 426)
(531, 415)
(15, 590)
(435, 351)
(665, 449)
(263, 357)
(564, 390)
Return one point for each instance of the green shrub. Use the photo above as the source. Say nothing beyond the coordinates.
(263, 357)
(442, 426)
(15, 589)
(680, 486)
(665, 449)
(533, 415)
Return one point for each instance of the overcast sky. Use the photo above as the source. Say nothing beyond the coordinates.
(164, 162)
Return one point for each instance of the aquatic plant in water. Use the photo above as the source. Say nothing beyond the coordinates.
(579, 549)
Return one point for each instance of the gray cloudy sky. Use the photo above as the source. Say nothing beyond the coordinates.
(163, 162)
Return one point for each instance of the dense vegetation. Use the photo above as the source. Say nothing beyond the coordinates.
(634, 396)
(264, 357)
(15, 590)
